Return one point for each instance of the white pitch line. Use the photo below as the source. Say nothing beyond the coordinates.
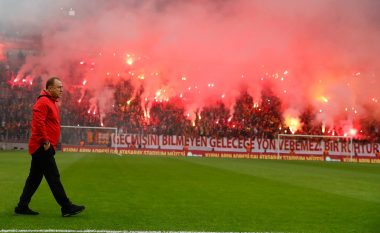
(103, 231)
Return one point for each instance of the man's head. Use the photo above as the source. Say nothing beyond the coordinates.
(54, 87)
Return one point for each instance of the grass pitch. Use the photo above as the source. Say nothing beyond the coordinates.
(197, 194)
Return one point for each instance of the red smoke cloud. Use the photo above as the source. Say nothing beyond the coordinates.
(2, 52)
(321, 53)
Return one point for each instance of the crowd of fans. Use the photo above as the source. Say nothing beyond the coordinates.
(15, 107)
(130, 114)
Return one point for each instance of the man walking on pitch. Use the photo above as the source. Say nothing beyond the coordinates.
(42, 145)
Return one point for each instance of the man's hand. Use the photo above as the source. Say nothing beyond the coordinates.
(46, 146)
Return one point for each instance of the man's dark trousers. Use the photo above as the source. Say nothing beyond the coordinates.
(43, 164)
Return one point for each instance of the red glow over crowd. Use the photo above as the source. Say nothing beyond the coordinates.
(247, 118)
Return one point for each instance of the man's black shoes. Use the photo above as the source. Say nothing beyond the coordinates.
(67, 211)
(25, 210)
(71, 210)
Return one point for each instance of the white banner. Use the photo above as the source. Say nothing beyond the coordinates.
(258, 145)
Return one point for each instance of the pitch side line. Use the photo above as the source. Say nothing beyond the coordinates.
(107, 231)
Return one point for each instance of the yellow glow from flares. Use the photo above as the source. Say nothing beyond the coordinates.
(129, 102)
(323, 128)
(293, 123)
(158, 93)
(323, 99)
(129, 60)
(147, 114)
(162, 95)
(353, 132)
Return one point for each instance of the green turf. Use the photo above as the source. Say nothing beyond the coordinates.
(198, 194)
